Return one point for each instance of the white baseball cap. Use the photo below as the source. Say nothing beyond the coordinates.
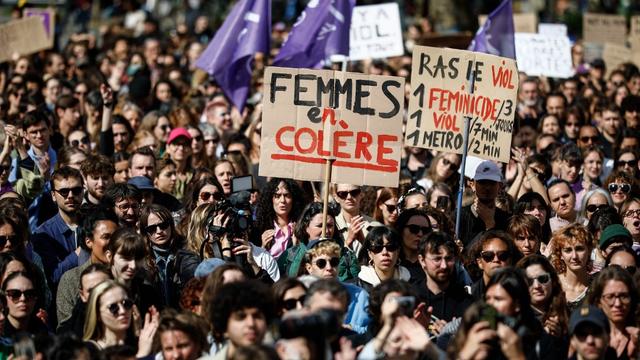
(488, 170)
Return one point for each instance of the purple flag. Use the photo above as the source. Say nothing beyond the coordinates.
(229, 56)
(495, 36)
(320, 31)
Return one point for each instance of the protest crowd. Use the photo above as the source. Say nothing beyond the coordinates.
(143, 214)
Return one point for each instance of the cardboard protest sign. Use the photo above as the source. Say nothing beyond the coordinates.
(48, 17)
(614, 55)
(22, 37)
(604, 28)
(440, 99)
(544, 55)
(313, 115)
(522, 22)
(635, 26)
(375, 32)
(552, 29)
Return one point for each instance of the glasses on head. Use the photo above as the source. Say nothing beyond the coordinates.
(291, 304)
(322, 263)
(11, 239)
(205, 196)
(541, 279)
(417, 229)
(630, 163)
(593, 207)
(114, 308)
(15, 294)
(377, 249)
(451, 165)
(76, 143)
(64, 192)
(489, 256)
(625, 188)
(151, 229)
(126, 207)
(391, 208)
(610, 299)
(343, 194)
(587, 139)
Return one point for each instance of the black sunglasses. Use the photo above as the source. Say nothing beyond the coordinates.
(488, 256)
(593, 207)
(76, 143)
(12, 239)
(205, 196)
(377, 249)
(625, 188)
(416, 229)
(391, 208)
(197, 138)
(542, 279)
(291, 304)
(114, 308)
(452, 166)
(151, 229)
(585, 139)
(343, 194)
(15, 294)
(4, 168)
(322, 263)
(631, 163)
(64, 192)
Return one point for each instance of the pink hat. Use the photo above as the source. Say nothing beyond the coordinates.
(178, 132)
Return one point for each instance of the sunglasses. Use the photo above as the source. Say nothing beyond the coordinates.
(488, 256)
(322, 263)
(593, 207)
(541, 279)
(205, 196)
(211, 141)
(76, 143)
(165, 127)
(12, 239)
(343, 194)
(417, 229)
(451, 165)
(64, 192)
(151, 229)
(114, 308)
(197, 138)
(391, 208)
(377, 249)
(586, 139)
(15, 294)
(4, 168)
(630, 163)
(625, 188)
(631, 269)
(291, 304)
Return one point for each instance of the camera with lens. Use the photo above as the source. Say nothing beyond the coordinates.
(322, 324)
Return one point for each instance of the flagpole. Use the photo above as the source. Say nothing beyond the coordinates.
(465, 151)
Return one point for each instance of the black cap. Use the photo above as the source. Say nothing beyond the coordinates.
(588, 314)
(598, 64)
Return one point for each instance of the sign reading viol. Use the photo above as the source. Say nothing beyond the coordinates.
(440, 99)
(310, 116)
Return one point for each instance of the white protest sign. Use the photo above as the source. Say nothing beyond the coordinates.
(544, 55)
(375, 32)
(552, 29)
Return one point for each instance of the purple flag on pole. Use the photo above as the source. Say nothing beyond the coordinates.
(320, 31)
(495, 36)
(229, 56)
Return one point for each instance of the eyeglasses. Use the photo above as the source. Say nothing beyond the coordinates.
(630, 163)
(631, 213)
(64, 192)
(11, 239)
(126, 207)
(114, 308)
(391, 208)
(15, 294)
(625, 188)
(593, 207)
(610, 299)
(151, 229)
(322, 263)
(76, 143)
(291, 304)
(586, 139)
(488, 256)
(417, 229)
(343, 194)
(377, 249)
(205, 196)
(541, 279)
(450, 164)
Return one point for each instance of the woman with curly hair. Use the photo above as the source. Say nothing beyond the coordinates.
(571, 249)
(547, 297)
(279, 206)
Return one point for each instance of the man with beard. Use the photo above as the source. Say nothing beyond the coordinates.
(562, 200)
(97, 171)
(124, 200)
(448, 298)
(529, 99)
(56, 240)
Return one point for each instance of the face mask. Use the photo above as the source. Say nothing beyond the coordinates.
(132, 69)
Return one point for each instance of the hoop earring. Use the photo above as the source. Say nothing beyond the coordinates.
(371, 262)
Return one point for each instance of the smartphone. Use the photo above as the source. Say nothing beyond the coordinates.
(489, 314)
(242, 183)
(442, 203)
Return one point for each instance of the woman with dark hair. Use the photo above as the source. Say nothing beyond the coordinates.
(630, 213)
(168, 263)
(614, 291)
(526, 232)
(279, 207)
(164, 96)
(532, 203)
(379, 258)
(289, 294)
(23, 300)
(180, 335)
(625, 257)
(440, 197)
(199, 157)
(547, 296)
(386, 208)
(621, 186)
(201, 191)
(627, 160)
(412, 225)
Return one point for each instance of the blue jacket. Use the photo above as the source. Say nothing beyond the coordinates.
(357, 315)
(55, 242)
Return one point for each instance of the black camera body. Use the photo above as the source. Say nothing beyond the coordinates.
(323, 324)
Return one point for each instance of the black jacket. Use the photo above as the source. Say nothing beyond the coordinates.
(448, 304)
(471, 226)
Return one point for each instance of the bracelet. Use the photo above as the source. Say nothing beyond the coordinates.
(109, 105)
